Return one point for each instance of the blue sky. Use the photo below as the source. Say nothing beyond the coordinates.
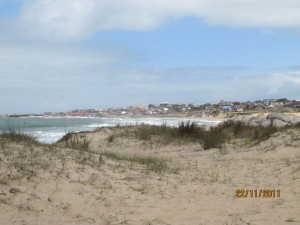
(60, 55)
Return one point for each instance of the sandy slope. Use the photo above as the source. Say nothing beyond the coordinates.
(54, 185)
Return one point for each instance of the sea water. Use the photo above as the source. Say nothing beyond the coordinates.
(51, 129)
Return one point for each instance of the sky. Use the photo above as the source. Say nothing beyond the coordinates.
(77, 54)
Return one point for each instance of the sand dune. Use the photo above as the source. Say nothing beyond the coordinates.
(42, 184)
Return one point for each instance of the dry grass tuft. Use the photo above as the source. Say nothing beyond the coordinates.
(73, 141)
(12, 134)
(152, 163)
(214, 138)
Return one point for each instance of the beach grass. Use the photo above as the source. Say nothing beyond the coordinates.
(73, 141)
(257, 134)
(214, 137)
(156, 164)
(185, 131)
(145, 132)
(16, 135)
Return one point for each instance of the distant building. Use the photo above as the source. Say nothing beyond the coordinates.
(250, 105)
(179, 107)
(278, 105)
(151, 106)
(225, 103)
(164, 104)
(268, 102)
(238, 108)
(48, 113)
(210, 108)
(227, 107)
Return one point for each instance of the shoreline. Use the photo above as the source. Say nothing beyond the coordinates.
(222, 116)
(208, 118)
(64, 125)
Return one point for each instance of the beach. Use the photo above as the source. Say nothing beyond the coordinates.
(122, 176)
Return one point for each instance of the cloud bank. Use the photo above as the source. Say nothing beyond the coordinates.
(39, 84)
(79, 19)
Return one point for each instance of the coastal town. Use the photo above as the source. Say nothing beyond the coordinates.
(172, 109)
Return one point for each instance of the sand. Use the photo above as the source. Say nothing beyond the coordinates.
(53, 185)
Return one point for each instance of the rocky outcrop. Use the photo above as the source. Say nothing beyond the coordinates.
(275, 119)
(279, 123)
(290, 119)
(259, 120)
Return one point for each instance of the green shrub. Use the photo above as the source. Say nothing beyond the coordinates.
(213, 138)
(188, 129)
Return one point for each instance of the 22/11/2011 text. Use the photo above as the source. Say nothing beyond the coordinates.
(262, 193)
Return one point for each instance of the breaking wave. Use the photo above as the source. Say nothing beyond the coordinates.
(48, 130)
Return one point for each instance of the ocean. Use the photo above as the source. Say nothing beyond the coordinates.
(51, 129)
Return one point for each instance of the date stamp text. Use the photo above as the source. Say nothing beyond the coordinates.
(262, 193)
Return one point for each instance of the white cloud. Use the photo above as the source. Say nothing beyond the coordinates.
(46, 67)
(52, 56)
(78, 19)
(39, 78)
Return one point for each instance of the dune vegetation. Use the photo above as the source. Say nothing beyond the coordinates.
(151, 175)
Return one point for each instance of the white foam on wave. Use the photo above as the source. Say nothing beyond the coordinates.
(68, 117)
(53, 134)
(162, 121)
(99, 125)
(47, 137)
